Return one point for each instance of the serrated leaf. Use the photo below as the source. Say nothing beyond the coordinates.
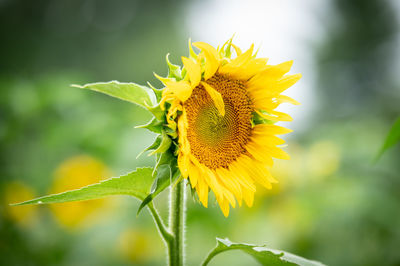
(137, 184)
(131, 92)
(392, 138)
(167, 173)
(264, 255)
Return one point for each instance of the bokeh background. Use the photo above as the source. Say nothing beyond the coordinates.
(333, 203)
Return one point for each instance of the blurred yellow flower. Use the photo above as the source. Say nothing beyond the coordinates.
(224, 108)
(74, 173)
(18, 192)
(323, 158)
(135, 245)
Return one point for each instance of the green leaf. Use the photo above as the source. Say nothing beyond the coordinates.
(131, 92)
(392, 138)
(265, 256)
(167, 173)
(136, 184)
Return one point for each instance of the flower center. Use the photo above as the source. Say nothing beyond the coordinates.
(217, 140)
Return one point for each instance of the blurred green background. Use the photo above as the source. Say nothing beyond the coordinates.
(332, 204)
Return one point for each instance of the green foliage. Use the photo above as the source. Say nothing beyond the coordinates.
(265, 256)
(131, 92)
(167, 174)
(392, 138)
(136, 184)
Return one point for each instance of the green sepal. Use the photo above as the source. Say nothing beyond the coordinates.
(156, 91)
(174, 71)
(154, 125)
(171, 132)
(166, 172)
(153, 146)
(263, 255)
(192, 54)
(228, 49)
(137, 184)
(157, 112)
(166, 142)
(258, 119)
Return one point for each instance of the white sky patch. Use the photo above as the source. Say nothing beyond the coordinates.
(284, 30)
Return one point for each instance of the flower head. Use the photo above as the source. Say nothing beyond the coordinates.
(224, 109)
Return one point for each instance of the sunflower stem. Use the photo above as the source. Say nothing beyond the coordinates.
(177, 224)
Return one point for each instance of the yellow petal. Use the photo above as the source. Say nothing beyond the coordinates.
(268, 140)
(258, 172)
(194, 175)
(271, 72)
(219, 189)
(286, 82)
(271, 129)
(259, 153)
(226, 178)
(248, 197)
(193, 69)
(275, 116)
(216, 97)
(260, 149)
(202, 192)
(181, 89)
(271, 83)
(286, 99)
(249, 70)
(237, 49)
(238, 61)
(264, 103)
(184, 145)
(211, 55)
(278, 153)
(183, 164)
(242, 176)
(224, 205)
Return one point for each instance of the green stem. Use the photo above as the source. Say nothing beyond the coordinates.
(176, 224)
(162, 229)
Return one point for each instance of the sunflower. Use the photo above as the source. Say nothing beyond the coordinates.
(223, 108)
